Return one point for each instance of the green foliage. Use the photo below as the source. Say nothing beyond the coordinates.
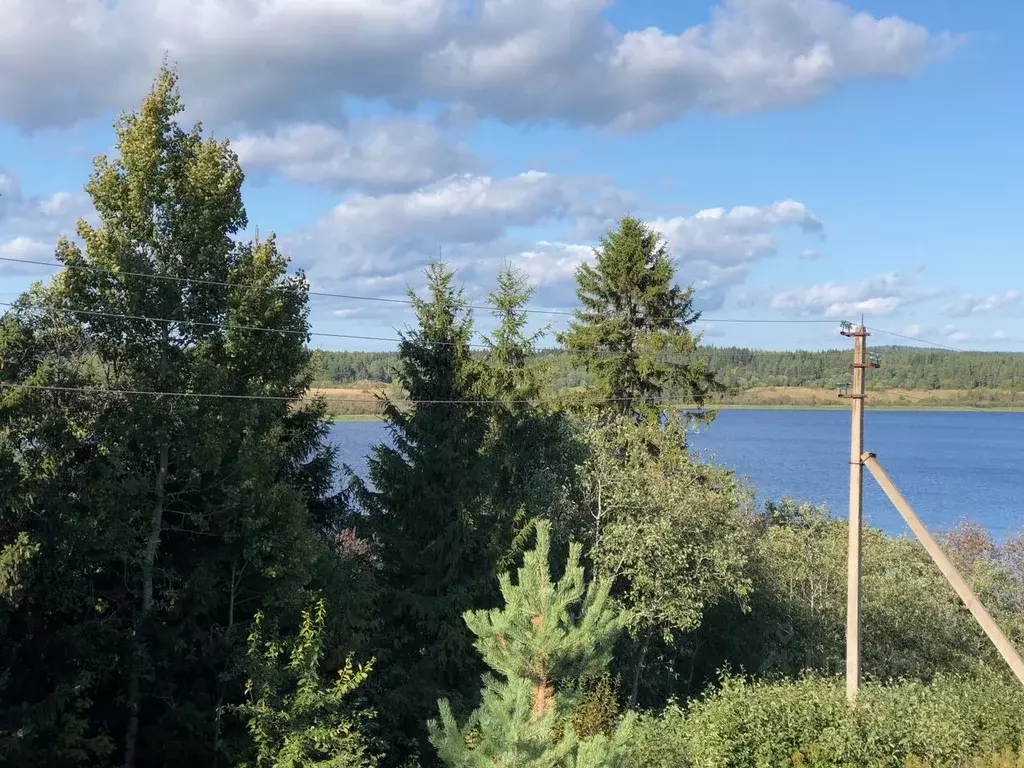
(672, 535)
(549, 634)
(914, 624)
(633, 331)
(162, 523)
(954, 721)
(144, 535)
(294, 719)
(422, 509)
(597, 709)
(671, 530)
(15, 559)
(532, 450)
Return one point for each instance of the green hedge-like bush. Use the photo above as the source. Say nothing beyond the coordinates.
(951, 722)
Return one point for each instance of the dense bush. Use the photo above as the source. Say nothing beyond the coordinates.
(954, 721)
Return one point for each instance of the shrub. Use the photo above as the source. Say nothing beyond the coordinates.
(953, 722)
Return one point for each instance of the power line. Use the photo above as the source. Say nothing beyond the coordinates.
(920, 341)
(238, 327)
(354, 297)
(316, 392)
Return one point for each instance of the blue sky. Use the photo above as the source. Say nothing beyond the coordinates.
(805, 159)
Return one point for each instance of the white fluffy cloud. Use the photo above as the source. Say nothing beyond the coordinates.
(552, 263)
(377, 243)
(380, 237)
(30, 225)
(881, 295)
(956, 334)
(713, 248)
(266, 62)
(973, 304)
(734, 236)
(378, 155)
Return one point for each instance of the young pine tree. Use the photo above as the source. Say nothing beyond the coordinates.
(633, 332)
(549, 635)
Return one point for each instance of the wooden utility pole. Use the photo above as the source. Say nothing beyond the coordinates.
(853, 577)
(983, 617)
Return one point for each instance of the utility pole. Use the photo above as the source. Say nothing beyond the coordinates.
(860, 364)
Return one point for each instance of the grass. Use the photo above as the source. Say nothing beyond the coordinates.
(888, 399)
(357, 401)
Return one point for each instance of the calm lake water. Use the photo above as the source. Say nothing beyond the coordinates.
(950, 466)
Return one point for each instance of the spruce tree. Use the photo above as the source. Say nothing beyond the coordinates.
(549, 635)
(633, 333)
(421, 507)
(532, 449)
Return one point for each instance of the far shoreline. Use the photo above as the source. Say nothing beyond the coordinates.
(367, 417)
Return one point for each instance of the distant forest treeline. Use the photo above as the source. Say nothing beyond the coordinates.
(902, 368)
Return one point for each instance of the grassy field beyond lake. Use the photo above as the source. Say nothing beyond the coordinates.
(359, 400)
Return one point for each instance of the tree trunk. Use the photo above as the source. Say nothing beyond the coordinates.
(640, 664)
(235, 578)
(148, 566)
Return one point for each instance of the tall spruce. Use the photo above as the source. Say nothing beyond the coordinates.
(549, 635)
(633, 332)
(532, 449)
(162, 522)
(421, 507)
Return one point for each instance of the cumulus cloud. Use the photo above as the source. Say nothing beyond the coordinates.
(811, 255)
(376, 155)
(272, 61)
(712, 248)
(552, 263)
(728, 237)
(956, 334)
(31, 224)
(378, 243)
(973, 304)
(881, 295)
(379, 237)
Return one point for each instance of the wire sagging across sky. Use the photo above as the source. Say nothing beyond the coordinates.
(354, 297)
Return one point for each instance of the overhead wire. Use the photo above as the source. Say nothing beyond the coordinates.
(242, 327)
(316, 393)
(377, 397)
(355, 297)
(237, 326)
(918, 340)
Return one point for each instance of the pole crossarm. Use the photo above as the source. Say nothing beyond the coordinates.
(983, 617)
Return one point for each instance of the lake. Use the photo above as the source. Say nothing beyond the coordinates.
(951, 466)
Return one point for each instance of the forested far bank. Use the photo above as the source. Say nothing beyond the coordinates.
(904, 368)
